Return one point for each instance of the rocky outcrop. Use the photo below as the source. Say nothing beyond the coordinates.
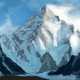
(48, 63)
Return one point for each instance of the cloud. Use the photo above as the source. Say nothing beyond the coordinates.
(64, 13)
(7, 27)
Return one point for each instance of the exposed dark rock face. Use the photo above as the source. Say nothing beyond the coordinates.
(47, 63)
(72, 67)
(7, 66)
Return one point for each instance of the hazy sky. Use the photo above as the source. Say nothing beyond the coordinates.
(20, 10)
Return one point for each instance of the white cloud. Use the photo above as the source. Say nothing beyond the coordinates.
(75, 41)
(7, 27)
(63, 13)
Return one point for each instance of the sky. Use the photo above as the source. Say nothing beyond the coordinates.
(19, 11)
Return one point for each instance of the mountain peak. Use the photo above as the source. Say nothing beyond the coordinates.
(41, 34)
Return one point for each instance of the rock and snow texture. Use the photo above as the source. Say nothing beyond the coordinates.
(47, 61)
(43, 33)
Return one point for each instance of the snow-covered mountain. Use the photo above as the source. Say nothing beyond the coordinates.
(45, 32)
(48, 63)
